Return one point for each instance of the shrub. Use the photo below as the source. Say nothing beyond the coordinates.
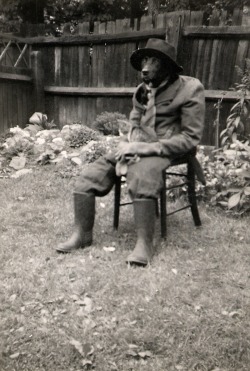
(239, 113)
(78, 135)
(108, 123)
(235, 154)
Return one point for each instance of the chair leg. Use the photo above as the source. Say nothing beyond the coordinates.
(117, 198)
(192, 194)
(163, 207)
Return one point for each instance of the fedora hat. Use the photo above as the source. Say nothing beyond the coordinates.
(156, 48)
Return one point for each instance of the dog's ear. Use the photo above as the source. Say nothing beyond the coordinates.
(142, 96)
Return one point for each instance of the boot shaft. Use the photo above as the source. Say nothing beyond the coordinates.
(84, 209)
(145, 213)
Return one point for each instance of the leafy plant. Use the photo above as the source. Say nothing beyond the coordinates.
(239, 113)
(41, 122)
(235, 152)
(79, 135)
(227, 176)
(108, 122)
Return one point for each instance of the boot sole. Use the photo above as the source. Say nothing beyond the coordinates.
(138, 262)
(65, 251)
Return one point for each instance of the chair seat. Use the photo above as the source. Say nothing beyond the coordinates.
(194, 170)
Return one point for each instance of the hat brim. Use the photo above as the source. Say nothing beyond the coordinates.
(139, 54)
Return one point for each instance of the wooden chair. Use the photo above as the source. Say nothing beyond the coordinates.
(193, 170)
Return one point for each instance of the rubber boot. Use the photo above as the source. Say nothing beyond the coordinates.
(144, 214)
(84, 208)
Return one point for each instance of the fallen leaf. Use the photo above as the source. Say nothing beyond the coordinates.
(131, 353)
(88, 304)
(132, 346)
(14, 355)
(20, 329)
(133, 323)
(21, 198)
(86, 362)
(78, 346)
(146, 354)
(109, 248)
(13, 297)
(197, 308)
(234, 314)
(80, 302)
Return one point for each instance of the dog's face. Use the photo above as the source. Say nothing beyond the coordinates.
(154, 71)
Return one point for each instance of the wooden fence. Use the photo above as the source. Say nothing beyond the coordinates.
(21, 88)
(86, 74)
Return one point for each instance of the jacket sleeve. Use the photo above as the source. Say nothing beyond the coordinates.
(192, 112)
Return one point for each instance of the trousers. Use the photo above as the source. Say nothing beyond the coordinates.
(144, 178)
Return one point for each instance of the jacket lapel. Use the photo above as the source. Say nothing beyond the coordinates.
(169, 93)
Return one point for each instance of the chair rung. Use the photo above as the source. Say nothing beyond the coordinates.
(176, 211)
(177, 174)
(126, 203)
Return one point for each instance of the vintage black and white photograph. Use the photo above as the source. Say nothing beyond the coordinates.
(125, 185)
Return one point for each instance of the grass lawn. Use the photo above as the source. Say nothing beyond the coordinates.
(188, 310)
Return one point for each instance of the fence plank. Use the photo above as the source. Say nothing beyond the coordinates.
(83, 28)
(206, 62)
(38, 78)
(160, 21)
(196, 18)
(173, 28)
(213, 64)
(102, 67)
(84, 66)
(110, 27)
(243, 45)
(146, 23)
(58, 59)
(237, 16)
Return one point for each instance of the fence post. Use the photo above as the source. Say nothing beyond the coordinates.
(38, 79)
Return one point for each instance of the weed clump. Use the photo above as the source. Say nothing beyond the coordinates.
(77, 135)
(108, 123)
